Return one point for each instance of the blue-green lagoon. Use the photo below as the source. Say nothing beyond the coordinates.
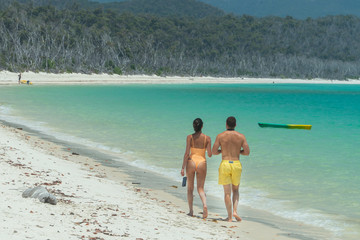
(307, 176)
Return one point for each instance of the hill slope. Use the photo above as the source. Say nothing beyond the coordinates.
(183, 8)
(188, 8)
(300, 9)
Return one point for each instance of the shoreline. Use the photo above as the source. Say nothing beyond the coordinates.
(10, 78)
(166, 196)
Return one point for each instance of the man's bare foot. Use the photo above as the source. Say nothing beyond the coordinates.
(205, 212)
(191, 214)
(237, 217)
(228, 219)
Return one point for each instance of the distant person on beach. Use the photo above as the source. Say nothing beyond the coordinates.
(19, 77)
(231, 145)
(195, 163)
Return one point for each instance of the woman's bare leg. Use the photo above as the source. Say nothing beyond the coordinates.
(200, 180)
(190, 174)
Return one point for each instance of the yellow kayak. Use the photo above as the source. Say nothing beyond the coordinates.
(25, 82)
(290, 126)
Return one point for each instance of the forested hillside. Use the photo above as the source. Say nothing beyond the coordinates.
(107, 1)
(183, 8)
(82, 40)
(300, 9)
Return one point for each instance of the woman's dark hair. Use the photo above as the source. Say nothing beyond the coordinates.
(197, 124)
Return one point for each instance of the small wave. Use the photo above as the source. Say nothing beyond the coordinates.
(283, 208)
(43, 128)
(5, 110)
(171, 173)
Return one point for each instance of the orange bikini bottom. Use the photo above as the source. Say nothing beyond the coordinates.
(197, 160)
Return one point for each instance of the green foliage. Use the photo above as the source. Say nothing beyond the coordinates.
(47, 64)
(110, 64)
(2, 62)
(162, 71)
(182, 8)
(117, 70)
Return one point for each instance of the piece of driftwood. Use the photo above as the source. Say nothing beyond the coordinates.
(40, 193)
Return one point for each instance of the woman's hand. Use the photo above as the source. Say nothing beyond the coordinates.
(182, 172)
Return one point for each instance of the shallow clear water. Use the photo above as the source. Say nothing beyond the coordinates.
(311, 176)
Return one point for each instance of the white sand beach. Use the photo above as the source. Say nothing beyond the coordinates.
(10, 78)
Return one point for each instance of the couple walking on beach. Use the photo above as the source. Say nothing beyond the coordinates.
(231, 144)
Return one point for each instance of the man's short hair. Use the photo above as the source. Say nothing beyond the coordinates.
(231, 122)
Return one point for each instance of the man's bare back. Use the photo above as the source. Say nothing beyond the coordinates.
(232, 144)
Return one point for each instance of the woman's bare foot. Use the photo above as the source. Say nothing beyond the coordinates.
(205, 212)
(228, 219)
(237, 217)
(191, 213)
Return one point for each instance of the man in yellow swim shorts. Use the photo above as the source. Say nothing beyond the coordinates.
(231, 145)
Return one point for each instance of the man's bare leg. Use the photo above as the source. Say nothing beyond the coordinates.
(235, 199)
(227, 199)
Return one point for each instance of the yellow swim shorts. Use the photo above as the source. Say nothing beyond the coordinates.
(230, 172)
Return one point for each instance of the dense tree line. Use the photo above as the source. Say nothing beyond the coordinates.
(183, 8)
(299, 9)
(82, 40)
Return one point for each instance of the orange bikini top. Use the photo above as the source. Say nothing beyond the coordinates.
(199, 152)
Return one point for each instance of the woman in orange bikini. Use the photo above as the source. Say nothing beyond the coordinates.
(195, 163)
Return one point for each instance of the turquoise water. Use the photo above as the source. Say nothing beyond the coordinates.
(309, 176)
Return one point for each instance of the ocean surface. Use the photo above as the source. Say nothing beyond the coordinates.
(308, 176)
